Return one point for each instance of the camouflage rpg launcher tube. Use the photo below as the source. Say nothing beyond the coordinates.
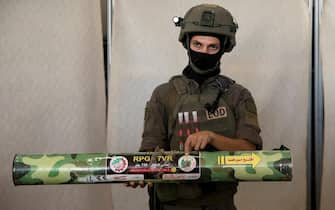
(152, 166)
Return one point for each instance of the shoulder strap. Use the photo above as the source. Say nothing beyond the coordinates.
(181, 88)
(224, 83)
(179, 84)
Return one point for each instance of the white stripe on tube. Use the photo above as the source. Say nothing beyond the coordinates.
(186, 117)
(195, 116)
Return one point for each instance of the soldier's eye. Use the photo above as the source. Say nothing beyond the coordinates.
(196, 44)
(214, 47)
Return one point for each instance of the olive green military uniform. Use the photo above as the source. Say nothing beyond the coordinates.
(182, 106)
(235, 117)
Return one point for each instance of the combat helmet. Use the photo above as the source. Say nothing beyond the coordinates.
(208, 19)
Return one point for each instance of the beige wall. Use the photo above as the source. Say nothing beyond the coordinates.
(51, 96)
(271, 59)
(52, 90)
(328, 65)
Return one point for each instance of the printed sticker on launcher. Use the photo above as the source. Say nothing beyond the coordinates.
(118, 164)
(187, 163)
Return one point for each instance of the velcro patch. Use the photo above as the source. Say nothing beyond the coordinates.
(220, 112)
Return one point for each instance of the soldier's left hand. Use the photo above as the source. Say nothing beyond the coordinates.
(198, 141)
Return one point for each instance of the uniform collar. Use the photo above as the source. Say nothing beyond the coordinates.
(195, 80)
(199, 78)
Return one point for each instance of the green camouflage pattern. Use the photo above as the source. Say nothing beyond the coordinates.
(248, 166)
(35, 169)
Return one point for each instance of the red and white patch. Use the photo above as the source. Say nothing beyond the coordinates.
(118, 164)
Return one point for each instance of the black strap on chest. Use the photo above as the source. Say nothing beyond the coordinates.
(222, 84)
(212, 107)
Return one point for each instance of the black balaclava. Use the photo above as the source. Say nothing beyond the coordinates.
(202, 65)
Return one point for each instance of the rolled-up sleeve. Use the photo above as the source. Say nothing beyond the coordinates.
(247, 120)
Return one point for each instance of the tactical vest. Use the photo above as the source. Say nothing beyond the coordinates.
(196, 109)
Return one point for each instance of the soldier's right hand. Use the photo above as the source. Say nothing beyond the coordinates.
(139, 183)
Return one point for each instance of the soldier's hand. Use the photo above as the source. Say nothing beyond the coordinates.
(198, 141)
(133, 184)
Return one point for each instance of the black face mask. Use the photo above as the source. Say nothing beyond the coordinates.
(203, 62)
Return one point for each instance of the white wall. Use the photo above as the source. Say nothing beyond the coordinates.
(52, 90)
(271, 58)
(52, 96)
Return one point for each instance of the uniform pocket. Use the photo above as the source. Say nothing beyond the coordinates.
(166, 192)
(188, 191)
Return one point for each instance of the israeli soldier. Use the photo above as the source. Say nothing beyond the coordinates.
(201, 110)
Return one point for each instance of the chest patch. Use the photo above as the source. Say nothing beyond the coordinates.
(220, 112)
